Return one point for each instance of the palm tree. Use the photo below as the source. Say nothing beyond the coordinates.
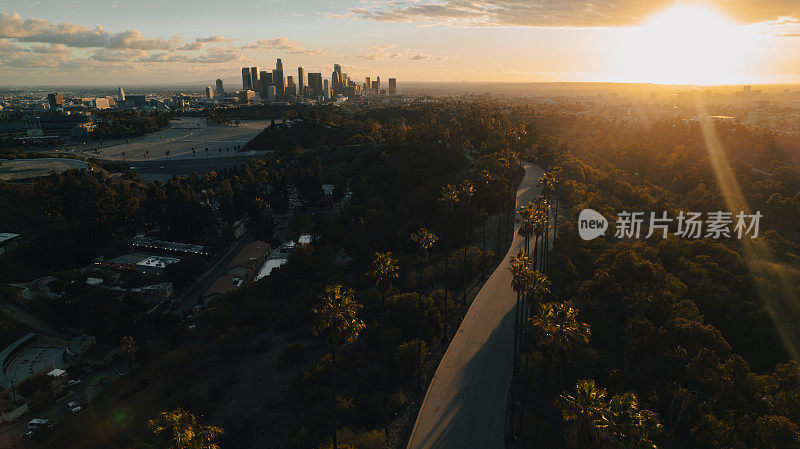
(542, 217)
(520, 267)
(123, 156)
(425, 241)
(384, 270)
(448, 198)
(179, 429)
(229, 151)
(168, 153)
(559, 332)
(630, 426)
(555, 178)
(546, 185)
(129, 348)
(206, 152)
(584, 410)
(527, 220)
(194, 153)
(338, 316)
(508, 160)
(466, 192)
(147, 153)
(486, 180)
(220, 151)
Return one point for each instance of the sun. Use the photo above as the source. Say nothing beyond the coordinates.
(684, 44)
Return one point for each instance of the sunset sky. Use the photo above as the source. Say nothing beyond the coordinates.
(62, 42)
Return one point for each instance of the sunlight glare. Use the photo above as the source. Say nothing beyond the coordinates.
(683, 44)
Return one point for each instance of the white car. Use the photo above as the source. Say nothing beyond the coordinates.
(73, 407)
(72, 382)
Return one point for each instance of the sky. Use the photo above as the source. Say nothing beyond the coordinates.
(151, 42)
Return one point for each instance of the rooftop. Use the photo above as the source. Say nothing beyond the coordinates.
(5, 236)
(251, 255)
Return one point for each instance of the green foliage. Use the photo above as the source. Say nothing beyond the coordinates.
(292, 353)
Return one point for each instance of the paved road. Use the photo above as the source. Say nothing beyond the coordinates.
(465, 405)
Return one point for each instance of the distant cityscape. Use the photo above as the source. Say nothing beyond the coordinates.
(274, 85)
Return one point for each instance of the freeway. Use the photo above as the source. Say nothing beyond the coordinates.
(465, 405)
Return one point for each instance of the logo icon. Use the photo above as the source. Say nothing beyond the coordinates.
(591, 224)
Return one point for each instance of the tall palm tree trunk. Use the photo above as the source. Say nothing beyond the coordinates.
(333, 381)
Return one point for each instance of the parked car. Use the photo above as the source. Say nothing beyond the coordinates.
(73, 407)
(71, 383)
(122, 370)
(38, 424)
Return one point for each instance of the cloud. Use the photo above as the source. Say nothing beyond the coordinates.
(283, 44)
(218, 58)
(380, 52)
(376, 52)
(192, 46)
(78, 36)
(558, 13)
(39, 56)
(210, 39)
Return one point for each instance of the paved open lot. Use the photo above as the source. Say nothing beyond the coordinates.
(30, 168)
(179, 138)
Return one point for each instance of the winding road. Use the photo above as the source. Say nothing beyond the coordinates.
(465, 405)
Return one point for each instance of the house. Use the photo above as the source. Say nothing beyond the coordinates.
(249, 260)
(155, 293)
(222, 285)
(102, 355)
(8, 242)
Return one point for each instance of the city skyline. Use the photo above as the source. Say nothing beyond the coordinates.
(706, 42)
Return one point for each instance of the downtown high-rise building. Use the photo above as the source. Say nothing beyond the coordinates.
(277, 79)
(266, 83)
(290, 87)
(336, 80)
(326, 93)
(120, 94)
(219, 92)
(55, 100)
(254, 78)
(392, 86)
(301, 81)
(247, 80)
(315, 84)
(209, 92)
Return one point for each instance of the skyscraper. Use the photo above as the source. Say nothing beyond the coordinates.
(219, 92)
(279, 65)
(55, 100)
(325, 92)
(254, 78)
(336, 80)
(315, 84)
(277, 79)
(120, 94)
(290, 87)
(392, 86)
(262, 82)
(247, 80)
(301, 81)
(209, 92)
(378, 80)
(367, 84)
